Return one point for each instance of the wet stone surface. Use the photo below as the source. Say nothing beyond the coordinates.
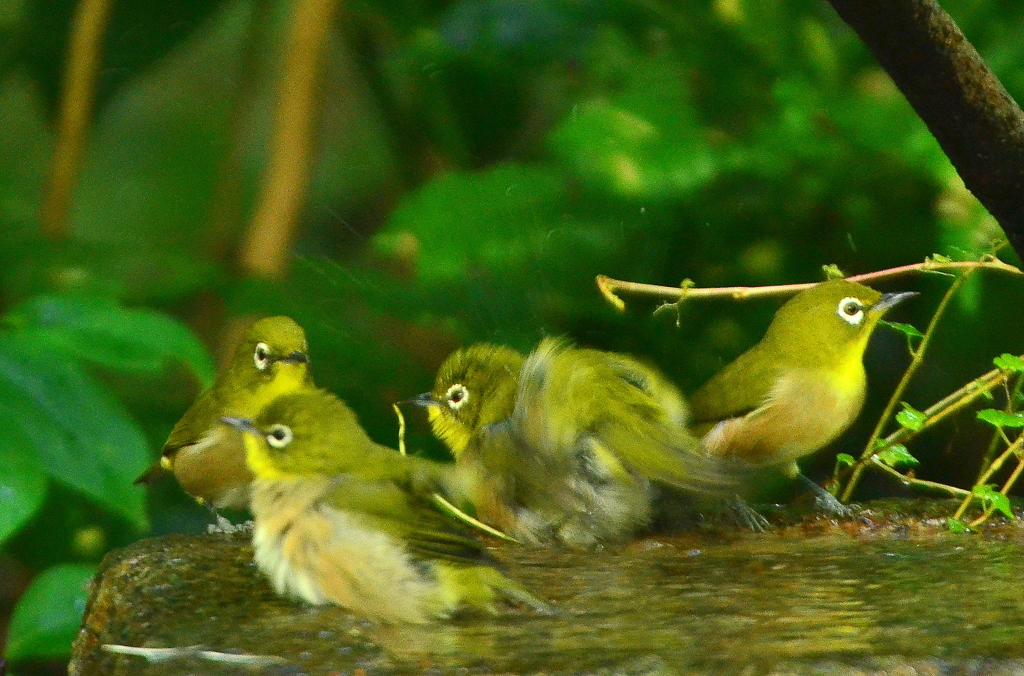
(887, 591)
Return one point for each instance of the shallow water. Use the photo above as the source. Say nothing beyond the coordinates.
(755, 600)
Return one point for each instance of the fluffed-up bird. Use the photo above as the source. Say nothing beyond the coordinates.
(340, 519)
(206, 456)
(800, 387)
(565, 445)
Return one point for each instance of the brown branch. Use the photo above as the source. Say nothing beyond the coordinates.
(226, 206)
(76, 107)
(264, 252)
(610, 288)
(978, 124)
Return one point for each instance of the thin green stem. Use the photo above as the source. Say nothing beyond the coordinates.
(998, 434)
(905, 480)
(996, 465)
(936, 413)
(1006, 487)
(949, 405)
(915, 364)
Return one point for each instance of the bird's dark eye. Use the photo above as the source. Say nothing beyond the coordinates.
(279, 435)
(261, 357)
(456, 396)
(851, 311)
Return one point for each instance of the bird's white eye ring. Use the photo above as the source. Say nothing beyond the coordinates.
(851, 310)
(279, 435)
(456, 396)
(261, 356)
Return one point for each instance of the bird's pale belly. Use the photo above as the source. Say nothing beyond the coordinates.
(322, 555)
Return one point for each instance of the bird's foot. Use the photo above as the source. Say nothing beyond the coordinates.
(516, 594)
(825, 502)
(747, 515)
(225, 527)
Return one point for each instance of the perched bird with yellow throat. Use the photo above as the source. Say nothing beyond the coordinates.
(801, 386)
(341, 519)
(207, 457)
(566, 446)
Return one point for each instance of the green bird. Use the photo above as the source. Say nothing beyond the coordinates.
(800, 387)
(566, 446)
(206, 457)
(341, 519)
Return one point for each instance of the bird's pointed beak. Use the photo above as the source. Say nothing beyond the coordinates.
(242, 424)
(425, 399)
(889, 300)
(295, 357)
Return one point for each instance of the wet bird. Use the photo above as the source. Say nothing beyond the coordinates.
(564, 446)
(340, 519)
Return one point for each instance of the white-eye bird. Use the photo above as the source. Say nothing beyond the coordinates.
(207, 457)
(340, 519)
(800, 387)
(564, 446)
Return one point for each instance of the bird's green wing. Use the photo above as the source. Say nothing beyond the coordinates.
(615, 413)
(736, 390)
(643, 429)
(653, 384)
(402, 507)
(201, 416)
(559, 397)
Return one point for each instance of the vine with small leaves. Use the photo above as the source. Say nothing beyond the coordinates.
(896, 455)
(992, 496)
(890, 454)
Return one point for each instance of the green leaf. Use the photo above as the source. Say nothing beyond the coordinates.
(98, 330)
(844, 460)
(955, 525)
(462, 223)
(906, 329)
(897, 456)
(645, 140)
(1009, 362)
(911, 418)
(832, 271)
(49, 613)
(991, 497)
(1001, 418)
(22, 479)
(83, 436)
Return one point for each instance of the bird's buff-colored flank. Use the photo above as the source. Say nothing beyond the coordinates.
(207, 457)
(340, 519)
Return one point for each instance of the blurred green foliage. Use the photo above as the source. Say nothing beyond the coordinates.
(48, 615)
(480, 162)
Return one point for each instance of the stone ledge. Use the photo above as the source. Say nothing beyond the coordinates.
(888, 590)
